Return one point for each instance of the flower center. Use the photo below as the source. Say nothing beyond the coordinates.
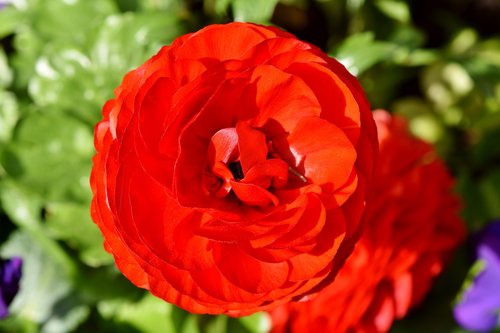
(240, 166)
(236, 170)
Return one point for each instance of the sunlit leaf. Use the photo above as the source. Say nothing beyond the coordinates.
(149, 315)
(69, 20)
(71, 222)
(21, 205)
(221, 6)
(190, 325)
(253, 11)
(9, 115)
(216, 325)
(395, 9)
(164, 5)
(81, 81)
(51, 154)
(422, 121)
(361, 51)
(257, 323)
(5, 71)
(10, 18)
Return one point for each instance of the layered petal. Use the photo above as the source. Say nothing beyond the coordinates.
(232, 170)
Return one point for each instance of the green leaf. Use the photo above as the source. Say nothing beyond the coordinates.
(221, 6)
(128, 5)
(5, 71)
(448, 85)
(422, 121)
(51, 154)
(488, 51)
(9, 115)
(80, 81)
(217, 324)
(407, 36)
(22, 206)
(490, 189)
(418, 57)
(65, 78)
(18, 325)
(259, 11)
(71, 222)
(395, 9)
(359, 52)
(69, 20)
(190, 325)
(163, 5)
(257, 323)
(463, 41)
(46, 283)
(54, 22)
(474, 212)
(179, 316)
(10, 18)
(127, 40)
(122, 43)
(354, 5)
(28, 46)
(106, 283)
(149, 315)
(487, 149)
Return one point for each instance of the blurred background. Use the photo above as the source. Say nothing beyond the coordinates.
(435, 62)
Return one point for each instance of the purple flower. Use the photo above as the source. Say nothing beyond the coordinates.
(10, 274)
(479, 308)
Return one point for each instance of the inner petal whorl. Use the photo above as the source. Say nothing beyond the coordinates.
(238, 162)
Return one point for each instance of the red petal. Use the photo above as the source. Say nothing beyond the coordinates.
(252, 145)
(338, 104)
(267, 172)
(253, 195)
(310, 224)
(282, 100)
(306, 265)
(268, 50)
(320, 151)
(248, 273)
(195, 139)
(403, 290)
(238, 38)
(214, 283)
(223, 146)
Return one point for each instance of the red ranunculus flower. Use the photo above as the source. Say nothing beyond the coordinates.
(232, 170)
(412, 226)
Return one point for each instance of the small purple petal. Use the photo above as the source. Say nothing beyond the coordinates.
(10, 274)
(479, 309)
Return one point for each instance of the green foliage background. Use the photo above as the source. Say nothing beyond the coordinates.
(435, 62)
